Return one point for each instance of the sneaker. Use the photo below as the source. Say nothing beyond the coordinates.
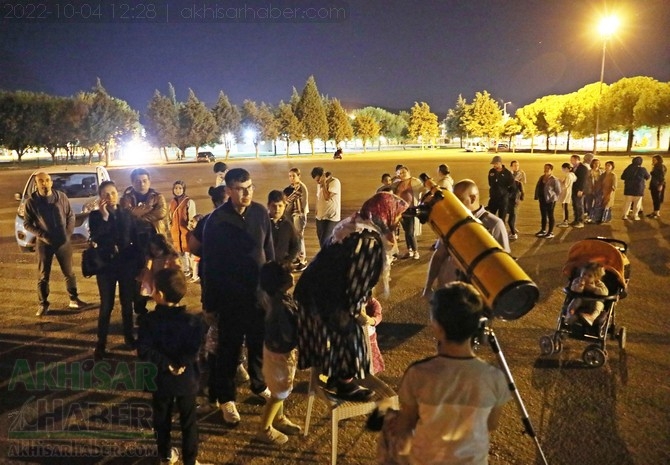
(194, 279)
(272, 436)
(264, 395)
(578, 225)
(513, 237)
(624, 218)
(637, 218)
(408, 254)
(540, 233)
(230, 414)
(77, 304)
(549, 236)
(416, 256)
(286, 426)
(241, 375)
(42, 310)
(300, 266)
(173, 458)
(563, 224)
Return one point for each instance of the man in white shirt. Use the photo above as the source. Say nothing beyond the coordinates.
(443, 269)
(328, 203)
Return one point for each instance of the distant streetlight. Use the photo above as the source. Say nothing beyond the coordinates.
(607, 28)
(505, 115)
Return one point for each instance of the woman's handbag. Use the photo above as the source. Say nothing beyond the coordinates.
(93, 260)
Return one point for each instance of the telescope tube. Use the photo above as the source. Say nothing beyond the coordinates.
(506, 289)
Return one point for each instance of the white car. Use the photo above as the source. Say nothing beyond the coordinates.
(80, 184)
(476, 147)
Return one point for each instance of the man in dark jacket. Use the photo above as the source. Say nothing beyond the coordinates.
(49, 217)
(582, 174)
(634, 180)
(501, 185)
(236, 242)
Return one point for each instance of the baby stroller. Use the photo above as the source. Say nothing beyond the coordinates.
(611, 255)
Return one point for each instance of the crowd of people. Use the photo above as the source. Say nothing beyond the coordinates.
(245, 254)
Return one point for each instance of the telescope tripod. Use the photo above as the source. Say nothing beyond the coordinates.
(528, 426)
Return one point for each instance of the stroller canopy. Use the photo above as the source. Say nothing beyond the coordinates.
(602, 252)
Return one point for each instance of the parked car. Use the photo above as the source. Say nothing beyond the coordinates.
(503, 146)
(206, 157)
(80, 184)
(476, 147)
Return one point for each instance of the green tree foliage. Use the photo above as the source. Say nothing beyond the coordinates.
(288, 125)
(311, 113)
(260, 120)
(197, 126)
(510, 129)
(423, 125)
(454, 120)
(527, 116)
(482, 117)
(228, 120)
(569, 116)
(162, 122)
(105, 118)
(339, 125)
(19, 121)
(366, 128)
(653, 109)
(625, 102)
(547, 112)
(390, 126)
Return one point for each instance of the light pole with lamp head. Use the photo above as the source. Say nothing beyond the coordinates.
(607, 28)
(505, 115)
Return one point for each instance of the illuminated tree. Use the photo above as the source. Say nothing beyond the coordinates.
(197, 125)
(339, 126)
(311, 113)
(483, 117)
(423, 125)
(162, 121)
(228, 119)
(366, 128)
(288, 125)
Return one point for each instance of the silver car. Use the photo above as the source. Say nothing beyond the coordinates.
(80, 184)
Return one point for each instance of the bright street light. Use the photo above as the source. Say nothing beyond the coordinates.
(607, 27)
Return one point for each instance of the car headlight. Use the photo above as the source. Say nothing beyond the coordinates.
(90, 206)
(21, 211)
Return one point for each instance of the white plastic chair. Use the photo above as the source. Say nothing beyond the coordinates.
(343, 409)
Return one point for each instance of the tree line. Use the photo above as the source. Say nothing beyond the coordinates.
(95, 121)
(626, 105)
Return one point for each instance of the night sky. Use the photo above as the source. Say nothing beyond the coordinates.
(387, 53)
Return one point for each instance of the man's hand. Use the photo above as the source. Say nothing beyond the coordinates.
(176, 371)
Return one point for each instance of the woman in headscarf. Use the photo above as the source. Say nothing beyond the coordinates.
(332, 290)
(182, 210)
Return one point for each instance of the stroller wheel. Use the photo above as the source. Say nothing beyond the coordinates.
(621, 336)
(546, 345)
(594, 356)
(558, 344)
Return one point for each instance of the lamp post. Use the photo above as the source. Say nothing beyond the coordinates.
(505, 115)
(607, 28)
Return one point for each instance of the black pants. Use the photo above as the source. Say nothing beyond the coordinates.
(498, 206)
(107, 289)
(324, 229)
(657, 198)
(186, 405)
(239, 317)
(408, 228)
(547, 214)
(45, 256)
(578, 207)
(511, 216)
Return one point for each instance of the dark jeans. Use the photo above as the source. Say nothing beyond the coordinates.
(107, 289)
(239, 317)
(408, 227)
(186, 405)
(657, 198)
(547, 213)
(578, 207)
(324, 229)
(45, 256)
(498, 206)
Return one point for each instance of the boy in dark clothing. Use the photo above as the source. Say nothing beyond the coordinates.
(284, 235)
(501, 184)
(170, 338)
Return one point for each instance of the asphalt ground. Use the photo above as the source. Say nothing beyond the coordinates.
(616, 414)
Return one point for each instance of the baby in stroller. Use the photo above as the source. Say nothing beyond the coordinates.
(589, 281)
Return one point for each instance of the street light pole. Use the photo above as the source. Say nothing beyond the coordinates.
(505, 108)
(607, 27)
